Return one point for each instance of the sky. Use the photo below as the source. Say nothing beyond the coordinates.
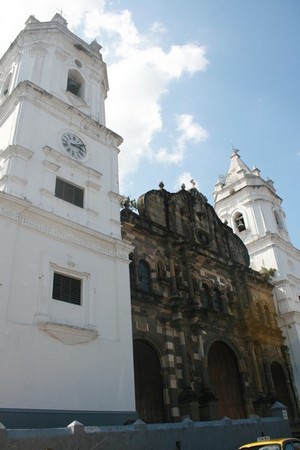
(189, 81)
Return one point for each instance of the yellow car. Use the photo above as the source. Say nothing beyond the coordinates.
(273, 444)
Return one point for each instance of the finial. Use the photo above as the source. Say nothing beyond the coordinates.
(183, 186)
(235, 150)
(161, 185)
(60, 11)
(193, 182)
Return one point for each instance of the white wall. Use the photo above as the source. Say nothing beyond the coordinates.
(38, 370)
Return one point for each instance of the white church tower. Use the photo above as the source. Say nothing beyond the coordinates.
(253, 210)
(65, 319)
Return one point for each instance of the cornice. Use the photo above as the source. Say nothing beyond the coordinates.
(23, 213)
(289, 318)
(273, 240)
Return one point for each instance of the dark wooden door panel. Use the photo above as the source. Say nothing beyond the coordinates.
(148, 383)
(225, 381)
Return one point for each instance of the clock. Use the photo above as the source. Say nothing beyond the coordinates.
(73, 145)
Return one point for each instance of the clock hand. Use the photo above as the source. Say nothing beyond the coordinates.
(80, 146)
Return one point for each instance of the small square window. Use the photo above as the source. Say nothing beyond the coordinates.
(69, 192)
(66, 289)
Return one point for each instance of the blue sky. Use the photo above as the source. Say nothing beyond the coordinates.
(188, 80)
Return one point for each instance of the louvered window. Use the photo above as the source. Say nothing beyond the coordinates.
(66, 289)
(69, 192)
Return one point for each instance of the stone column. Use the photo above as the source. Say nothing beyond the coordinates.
(257, 379)
(173, 276)
(187, 398)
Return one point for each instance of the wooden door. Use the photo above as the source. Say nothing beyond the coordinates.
(225, 381)
(148, 383)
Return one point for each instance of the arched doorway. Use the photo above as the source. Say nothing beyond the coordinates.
(281, 387)
(225, 381)
(148, 383)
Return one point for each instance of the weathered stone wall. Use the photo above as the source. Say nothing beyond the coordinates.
(202, 315)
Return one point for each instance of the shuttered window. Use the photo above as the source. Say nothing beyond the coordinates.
(66, 289)
(69, 192)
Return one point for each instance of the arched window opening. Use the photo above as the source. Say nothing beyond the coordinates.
(260, 313)
(144, 276)
(218, 300)
(229, 294)
(206, 296)
(179, 276)
(267, 315)
(278, 220)
(161, 273)
(6, 85)
(75, 83)
(240, 222)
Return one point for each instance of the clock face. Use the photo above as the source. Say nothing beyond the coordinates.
(73, 145)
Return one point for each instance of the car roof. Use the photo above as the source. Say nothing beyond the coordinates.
(270, 441)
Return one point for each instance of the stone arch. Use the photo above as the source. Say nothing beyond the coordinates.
(281, 386)
(148, 381)
(225, 380)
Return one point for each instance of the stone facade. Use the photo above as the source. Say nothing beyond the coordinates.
(206, 342)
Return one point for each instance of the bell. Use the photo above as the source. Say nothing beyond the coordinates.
(240, 224)
(73, 86)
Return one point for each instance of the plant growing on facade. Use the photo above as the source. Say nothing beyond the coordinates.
(267, 274)
(127, 202)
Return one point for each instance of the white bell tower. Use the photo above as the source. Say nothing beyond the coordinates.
(65, 316)
(252, 208)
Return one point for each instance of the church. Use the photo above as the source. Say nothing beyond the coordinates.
(205, 337)
(157, 315)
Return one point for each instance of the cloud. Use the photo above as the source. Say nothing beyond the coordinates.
(188, 131)
(185, 179)
(140, 71)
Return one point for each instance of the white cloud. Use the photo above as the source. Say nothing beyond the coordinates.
(188, 131)
(186, 179)
(158, 27)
